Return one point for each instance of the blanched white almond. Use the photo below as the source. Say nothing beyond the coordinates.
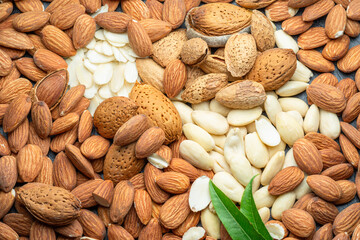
(312, 119)
(126, 54)
(302, 189)
(219, 150)
(211, 223)
(105, 92)
(212, 122)
(329, 124)
(256, 182)
(203, 106)
(158, 161)
(284, 40)
(264, 214)
(272, 168)
(280, 147)
(184, 111)
(107, 49)
(297, 116)
(243, 117)
(199, 196)
(292, 88)
(292, 103)
(256, 151)
(267, 132)
(272, 107)
(235, 157)
(178, 97)
(215, 106)
(276, 229)
(263, 198)
(302, 73)
(91, 92)
(94, 103)
(220, 165)
(199, 135)
(282, 203)
(195, 154)
(91, 44)
(194, 233)
(272, 93)
(289, 159)
(229, 186)
(117, 80)
(219, 140)
(131, 72)
(288, 128)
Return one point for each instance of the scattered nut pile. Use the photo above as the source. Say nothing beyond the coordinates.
(175, 108)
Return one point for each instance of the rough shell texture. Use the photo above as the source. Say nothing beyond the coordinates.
(217, 19)
(52, 205)
(254, 4)
(121, 164)
(240, 54)
(273, 68)
(242, 95)
(159, 109)
(112, 113)
(194, 51)
(262, 31)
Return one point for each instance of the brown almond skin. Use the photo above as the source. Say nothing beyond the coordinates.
(79, 161)
(325, 187)
(85, 126)
(84, 192)
(48, 61)
(336, 49)
(151, 231)
(57, 41)
(83, 31)
(143, 205)
(191, 221)
(4, 146)
(39, 230)
(352, 109)
(323, 212)
(307, 156)
(339, 172)
(95, 147)
(149, 142)
(157, 194)
(139, 39)
(348, 87)
(347, 219)
(41, 117)
(132, 223)
(8, 173)
(351, 133)
(123, 199)
(116, 231)
(113, 21)
(173, 182)
(324, 233)
(175, 77)
(321, 141)
(315, 61)
(295, 25)
(16, 113)
(349, 150)
(331, 157)
(298, 222)
(92, 224)
(313, 38)
(64, 172)
(18, 138)
(71, 99)
(286, 180)
(349, 191)
(30, 21)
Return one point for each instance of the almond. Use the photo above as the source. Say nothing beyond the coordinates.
(59, 142)
(301, 4)
(48, 61)
(7, 232)
(156, 193)
(65, 17)
(313, 38)
(83, 31)
(152, 230)
(84, 192)
(19, 137)
(95, 147)
(295, 25)
(34, 139)
(3, 108)
(41, 117)
(352, 28)
(285, 180)
(79, 161)
(92, 225)
(149, 142)
(350, 62)
(191, 221)
(19, 222)
(16, 113)
(324, 232)
(351, 133)
(299, 222)
(175, 77)
(41, 230)
(173, 182)
(335, 22)
(57, 41)
(336, 49)
(352, 11)
(139, 39)
(321, 141)
(104, 193)
(352, 108)
(347, 219)
(30, 21)
(14, 89)
(307, 156)
(349, 191)
(6, 63)
(174, 12)
(279, 11)
(8, 174)
(4, 149)
(54, 5)
(350, 152)
(315, 61)
(71, 99)
(122, 201)
(64, 172)
(85, 126)
(28, 68)
(138, 181)
(156, 9)
(6, 9)
(64, 124)
(317, 10)
(325, 187)
(330, 157)
(323, 212)
(303, 201)
(10, 38)
(348, 87)
(116, 231)
(156, 29)
(132, 223)
(182, 166)
(29, 162)
(30, 5)
(113, 21)
(142, 204)
(13, 53)
(262, 31)
(136, 9)
(8, 199)
(175, 210)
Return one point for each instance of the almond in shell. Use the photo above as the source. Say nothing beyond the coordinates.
(262, 31)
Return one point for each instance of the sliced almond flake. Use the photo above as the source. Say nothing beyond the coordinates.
(131, 72)
(91, 92)
(118, 55)
(80, 54)
(103, 74)
(94, 103)
(107, 49)
(99, 47)
(73, 81)
(117, 80)
(99, 34)
(199, 197)
(127, 55)
(103, 9)
(84, 76)
(123, 92)
(128, 86)
(91, 44)
(105, 92)
(130, 51)
(95, 57)
(115, 44)
(116, 37)
(267, 132)
(90, 66)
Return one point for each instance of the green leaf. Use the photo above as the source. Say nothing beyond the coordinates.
(248, 208)
(237, 225)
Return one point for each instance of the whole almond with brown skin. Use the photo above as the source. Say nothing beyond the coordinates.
(149, 142)
(36, 40)
(173, 182)
(335, 22)
(175, 210)
(351, 133)
(4, 146)
(13, 74)
(303, 201)
(295, 25)
(352, 10)
(64, 172)
(84, 192)
(307, 156)
(116, 231)
(65, 17)
(123, 199)
(83, 31)
(19, 222)
(313, 38)
(174, 12)
(3, 108)
(325, 187)
(349, 191)
(298, 222)
(315, 61)
(85, 126)
(278, 11)
(95, 147)
(18, 138)
(330, 157)
(300, 4)
(262, 31)
(28, 68)
(57, 41)
(348, 87)
(10, 38)
(13, 53)
(71, 99)
(142, 204)
(327, 97)
(46, 173)
(336, 49)
(323, 212)
(175, 77)
(324, 233)
(136, 9)
(7, 232)
(286, 180)
(352, 28)
(8, 200)
(352, 108)
(29, 5)
(29, 162)
(139, 40)
(6, 9)
(16, 113)
(138, 181)
(156, 29)
(40, 231)
(132, 223)
(347, 219)
(104, 214)
(351, 61)
(64, 124)
(184, 167)
(5, 63)
(157, 194)
(79, 161)
(356, 233)
(41, 117)
(151, 231)
(91, 5)
(34, 139)
(155, 7)
(8, 173)
(321, 141)
(349, 150)
(48, 61)
(191, 221)
(55, 4)
(30, 21)
(92, 224)
(113, 21)
(339, 172)
(317, 10)
(14, 88)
